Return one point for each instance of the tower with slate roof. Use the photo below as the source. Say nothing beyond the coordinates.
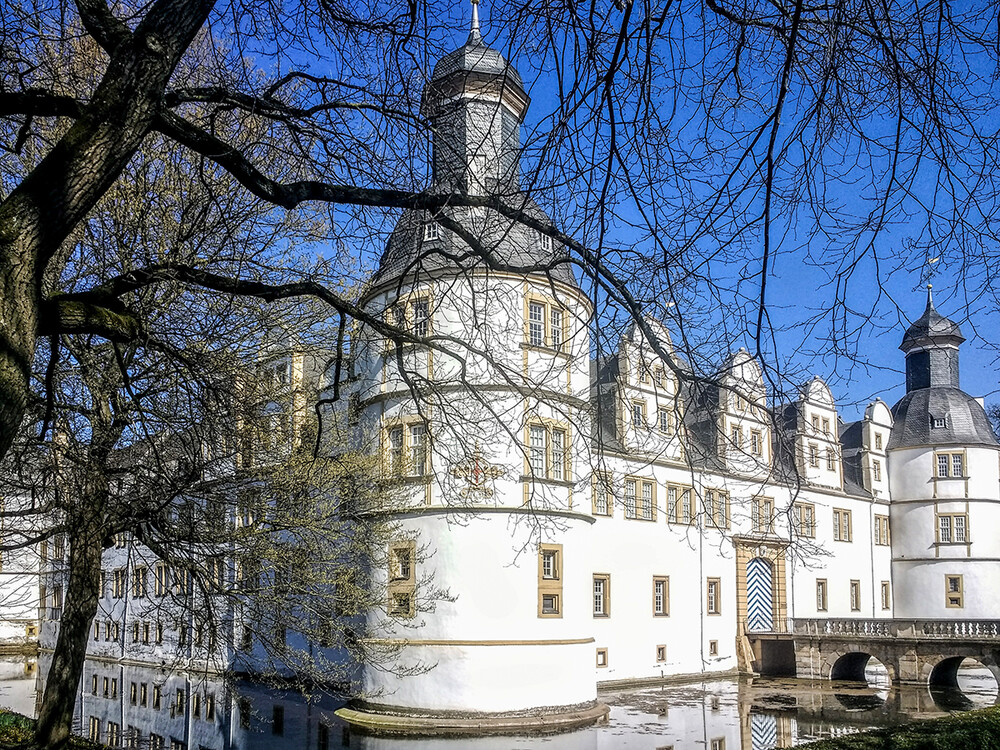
(944, 470)
(481, 416)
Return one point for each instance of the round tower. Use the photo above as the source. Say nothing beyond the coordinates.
(943, 471)
(480, 413)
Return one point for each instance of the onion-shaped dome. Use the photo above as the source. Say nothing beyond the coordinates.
(931, 328)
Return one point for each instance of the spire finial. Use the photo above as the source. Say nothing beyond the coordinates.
(474, 29)
(930, 297)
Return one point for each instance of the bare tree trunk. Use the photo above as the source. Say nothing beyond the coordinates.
(55, 717)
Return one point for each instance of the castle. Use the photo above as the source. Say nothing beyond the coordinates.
(567, 522)
(618, 520)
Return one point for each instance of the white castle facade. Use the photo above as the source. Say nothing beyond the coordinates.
(602, 522)
(567, 523)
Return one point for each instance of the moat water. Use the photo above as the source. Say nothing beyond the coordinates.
(723, 714)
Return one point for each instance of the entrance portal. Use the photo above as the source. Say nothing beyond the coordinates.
(760, 595)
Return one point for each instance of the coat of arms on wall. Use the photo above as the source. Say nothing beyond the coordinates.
(478, 474)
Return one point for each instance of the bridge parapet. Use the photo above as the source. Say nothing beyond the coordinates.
(893, 629)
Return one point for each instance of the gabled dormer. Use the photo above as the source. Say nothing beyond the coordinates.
(649, 404)
(743, 420)
(813, 428)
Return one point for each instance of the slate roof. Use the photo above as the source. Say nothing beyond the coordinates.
(931, 325)
(508, 244)
(476, 57)
(966, 421)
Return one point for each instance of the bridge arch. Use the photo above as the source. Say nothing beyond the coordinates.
(944, 674)
(943, 671)
(850, 665)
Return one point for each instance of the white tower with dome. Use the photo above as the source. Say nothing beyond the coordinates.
(491, 455)
(944, 470)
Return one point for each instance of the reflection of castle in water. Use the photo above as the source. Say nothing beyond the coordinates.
(136, 705)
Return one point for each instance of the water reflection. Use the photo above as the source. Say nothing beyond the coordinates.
(138, 706)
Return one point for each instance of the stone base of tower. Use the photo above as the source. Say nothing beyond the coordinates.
(399, 721)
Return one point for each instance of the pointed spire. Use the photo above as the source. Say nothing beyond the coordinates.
(474, 36)
(930, 299)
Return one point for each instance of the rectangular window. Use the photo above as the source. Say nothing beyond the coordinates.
(719, 743)
(278, 720)
(878, 441)
(813, 455)
(829, 459)
(951, 464)
(756, 443)
(402, 578)
(841, 525)
(550, 564)
(162, 584)
(713, 591)
(736, 436)
(118, 583)
(639, 414)
(815, 423)
(602, 657)
(665, 421)
(602, 502)
(432, 230)
(555, 327)
(602, 595)
(661, 596)
(804, 518)
(886, 596)
(877, 470)
(826, 426)
(953, 528)
(821, 595)
(640, 497)
(157, 697)
(95, 729)
(679, 506)
(550, 580)
(537, 451)
(155, 741)
(717, 508)
(661, 653)
(855, 596)
(418, 450)
(713, 648)
(536, 323)
(550, 604)
(558, 454)
(762, 515)
(954, 592)
(882, 530)
(421, 310)
(395, 441)
(630, 487)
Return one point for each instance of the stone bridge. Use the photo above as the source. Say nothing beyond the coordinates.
(926, 652)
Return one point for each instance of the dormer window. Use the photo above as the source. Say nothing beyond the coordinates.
(939, 423)
(546, 243)
(432, 231)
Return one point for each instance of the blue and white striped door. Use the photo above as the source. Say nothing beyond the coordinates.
(763, 731)
(760, 614)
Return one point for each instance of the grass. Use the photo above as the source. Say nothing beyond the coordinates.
(17, 731)
(972, 730)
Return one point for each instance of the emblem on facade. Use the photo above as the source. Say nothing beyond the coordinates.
(478, 474)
